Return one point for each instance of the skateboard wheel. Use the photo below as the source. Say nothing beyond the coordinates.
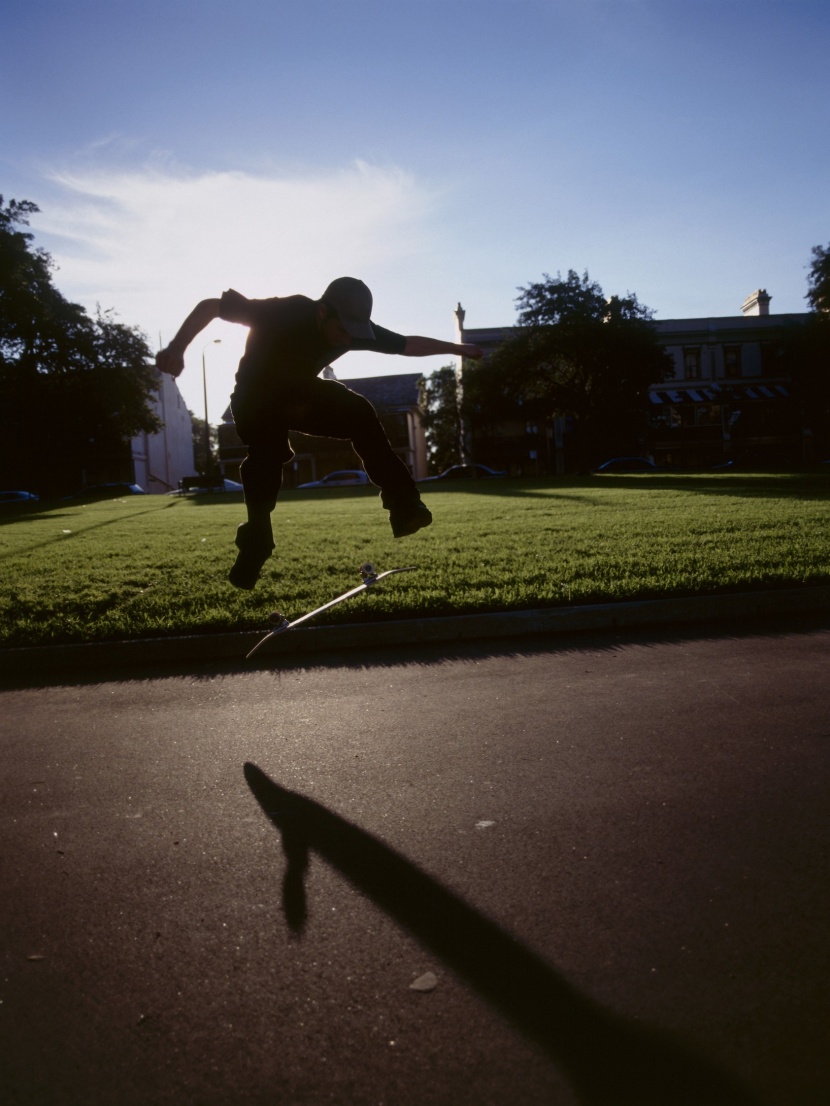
(276, 619)
(367, 569)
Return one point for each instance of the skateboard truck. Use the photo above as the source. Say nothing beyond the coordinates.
(369, 574)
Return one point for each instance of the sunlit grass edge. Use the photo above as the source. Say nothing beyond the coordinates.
(156, 566)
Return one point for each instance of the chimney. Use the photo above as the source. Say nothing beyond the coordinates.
(757, 303)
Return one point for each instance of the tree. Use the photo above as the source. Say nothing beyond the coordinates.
(575, 353)
(75, 389)
(199, 461)
(442, 420)
(818, 293)
(806, 357)
(805, 353)
(25, 284)
(556, 301)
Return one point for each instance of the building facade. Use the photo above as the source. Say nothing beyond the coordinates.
(397, 400)
(161, 460)
(730, 398)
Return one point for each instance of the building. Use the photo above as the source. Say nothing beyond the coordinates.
(161, 460)
(730, 397)
(397, 400)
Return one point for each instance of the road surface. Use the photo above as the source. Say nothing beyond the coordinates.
(602, 862)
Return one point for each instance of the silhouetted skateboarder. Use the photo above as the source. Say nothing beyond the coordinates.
(278, 388)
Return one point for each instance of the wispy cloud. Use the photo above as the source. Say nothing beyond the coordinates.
(152, 243)
(131, 238)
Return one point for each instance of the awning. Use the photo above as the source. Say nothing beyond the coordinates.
(717, 394)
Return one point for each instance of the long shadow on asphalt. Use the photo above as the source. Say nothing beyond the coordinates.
(610, 1061)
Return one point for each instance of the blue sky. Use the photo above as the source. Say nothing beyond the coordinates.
(442, 151)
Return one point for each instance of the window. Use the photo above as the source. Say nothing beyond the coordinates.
(774, 360)
(682, 415)
(708, 414)
(691, 363)
(660, 419)
(732, 361)
(397, 428)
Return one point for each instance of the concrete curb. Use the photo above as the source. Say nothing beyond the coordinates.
(152, 652)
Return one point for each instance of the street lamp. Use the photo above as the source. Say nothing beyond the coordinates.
(208, 458)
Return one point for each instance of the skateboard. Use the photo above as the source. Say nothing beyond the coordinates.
(369, 576)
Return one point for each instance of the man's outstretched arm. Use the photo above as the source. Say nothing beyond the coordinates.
(171, 358)
(426, 347)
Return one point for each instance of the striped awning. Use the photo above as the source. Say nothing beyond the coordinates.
(717, 394)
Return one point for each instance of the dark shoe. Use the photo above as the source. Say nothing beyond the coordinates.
(408, 520)
(254, 550)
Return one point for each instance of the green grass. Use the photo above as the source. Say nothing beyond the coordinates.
(157, 565)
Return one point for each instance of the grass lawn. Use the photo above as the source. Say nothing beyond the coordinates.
(149, 566)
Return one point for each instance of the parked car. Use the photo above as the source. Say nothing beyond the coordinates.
(628, 464)
(344, 478)
(106, 491)
(464, 472)
(18, 499)
(199, 489)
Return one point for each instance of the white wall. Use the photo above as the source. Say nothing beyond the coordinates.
(161, 460)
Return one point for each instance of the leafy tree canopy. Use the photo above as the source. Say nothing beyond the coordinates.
(442, 419)
(575, 353)
(203, 461)
(818, 280)
(574, 300)
(75, 388)
(805, 356)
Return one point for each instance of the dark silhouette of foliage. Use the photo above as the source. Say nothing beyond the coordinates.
(818, 281)
(575, 353)
(441, 418)
(802, 355)
(204, 465)
(75, 388)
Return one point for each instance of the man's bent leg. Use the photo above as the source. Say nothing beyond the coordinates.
(339, 412)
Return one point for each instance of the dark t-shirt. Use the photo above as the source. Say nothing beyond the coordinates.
(285, 345)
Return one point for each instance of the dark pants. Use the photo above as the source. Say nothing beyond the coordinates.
(324, 408)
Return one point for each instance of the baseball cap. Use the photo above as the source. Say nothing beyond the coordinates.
(352, 301)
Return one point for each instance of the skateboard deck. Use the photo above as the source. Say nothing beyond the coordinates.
(369, 576)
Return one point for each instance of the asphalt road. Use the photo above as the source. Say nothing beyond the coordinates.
(603, 861)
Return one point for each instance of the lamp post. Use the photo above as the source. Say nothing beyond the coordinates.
(208, 459)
